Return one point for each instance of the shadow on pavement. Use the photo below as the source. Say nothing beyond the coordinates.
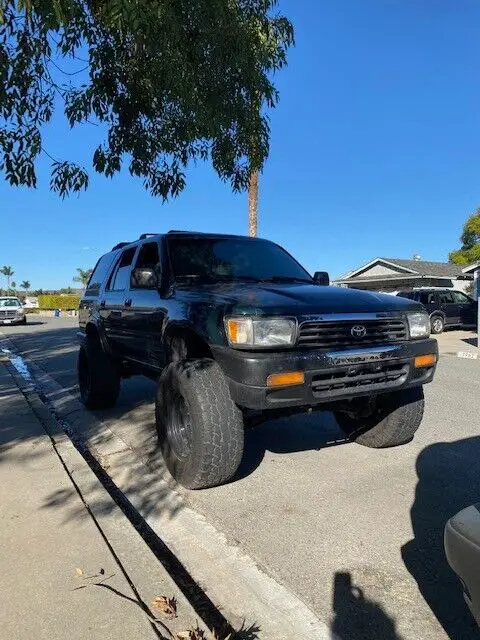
(448, 480)
(309, 432)
(357, 617)
(472, 341)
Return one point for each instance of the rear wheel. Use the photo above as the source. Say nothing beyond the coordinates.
(200, 428)
(437, 324)
(98, 376)
(393, 420)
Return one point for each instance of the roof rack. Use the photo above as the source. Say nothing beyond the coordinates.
(190, 233)
(120, 245)
(148, 235)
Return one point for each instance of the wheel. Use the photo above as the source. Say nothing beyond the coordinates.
(200, 428)
(437, 324)
(24, 320)
(98, 376)
(393, 421)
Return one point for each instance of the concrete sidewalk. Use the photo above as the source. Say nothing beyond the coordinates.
(68, 571)
(459, 342)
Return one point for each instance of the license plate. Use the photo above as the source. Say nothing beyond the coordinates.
(7, 322)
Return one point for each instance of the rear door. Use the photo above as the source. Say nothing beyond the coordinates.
(467, 308)
(116, 300)
(429, 300)
(450, 307)
(145, 316)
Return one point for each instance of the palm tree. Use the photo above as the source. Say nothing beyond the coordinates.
(14, 287)
(25, 286)
(8, 272)
(253, 203)
(83, 277)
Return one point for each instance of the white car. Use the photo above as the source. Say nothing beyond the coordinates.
(12, 311)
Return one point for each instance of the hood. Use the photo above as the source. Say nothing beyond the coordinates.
(294, 299)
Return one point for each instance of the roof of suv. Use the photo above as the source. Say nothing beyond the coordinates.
(183, 234)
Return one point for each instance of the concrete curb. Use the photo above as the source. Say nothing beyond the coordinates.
(247, 596)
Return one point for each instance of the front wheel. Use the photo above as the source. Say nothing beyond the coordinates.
(392, 421)
(200, 428)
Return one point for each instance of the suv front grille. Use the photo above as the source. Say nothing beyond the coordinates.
(338, 333)
(366, 377)
(7, 315)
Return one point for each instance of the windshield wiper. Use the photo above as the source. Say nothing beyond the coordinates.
(287, 279)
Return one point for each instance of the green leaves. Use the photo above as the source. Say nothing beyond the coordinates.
(171, 83)
(470, 250)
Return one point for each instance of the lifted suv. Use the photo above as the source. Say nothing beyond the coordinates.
(237, 332)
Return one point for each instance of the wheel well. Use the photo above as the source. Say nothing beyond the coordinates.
(185, 343)
(439, 314)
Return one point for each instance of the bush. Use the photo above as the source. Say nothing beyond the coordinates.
(65, 303)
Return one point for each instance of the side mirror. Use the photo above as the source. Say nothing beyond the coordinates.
(144, 278)
(322, 278)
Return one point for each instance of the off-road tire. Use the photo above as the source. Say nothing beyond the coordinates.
(213, 446)
(437, 324)
(24, 320)
(98, 376)
(394, 422)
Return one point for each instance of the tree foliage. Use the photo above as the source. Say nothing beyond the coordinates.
(83, 276)
(170, 81)
(470, 238)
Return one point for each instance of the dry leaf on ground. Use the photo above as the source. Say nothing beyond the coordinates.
(166, 606)
(78, 571)
(198, 634)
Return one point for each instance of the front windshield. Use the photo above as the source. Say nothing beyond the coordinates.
(233, 259)
(9, 302)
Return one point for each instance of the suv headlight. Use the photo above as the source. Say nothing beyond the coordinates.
(419, 325)
(20, 312)
(245, 331)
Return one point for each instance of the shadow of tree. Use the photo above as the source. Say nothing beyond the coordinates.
(448, 480)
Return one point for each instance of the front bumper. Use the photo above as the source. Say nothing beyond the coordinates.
(330, 376)
(9, 321)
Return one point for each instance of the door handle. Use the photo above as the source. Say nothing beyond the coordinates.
(128, 302)
(102, 304)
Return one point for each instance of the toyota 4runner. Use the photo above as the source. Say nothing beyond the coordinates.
(237, 332)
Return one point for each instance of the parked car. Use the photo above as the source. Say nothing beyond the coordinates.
(12, 311)
(446, 307)
(462, 548)
(236, 332)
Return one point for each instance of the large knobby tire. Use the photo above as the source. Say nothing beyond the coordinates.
(98, 376)
(393, 422)
(200, 428)
(437, 324)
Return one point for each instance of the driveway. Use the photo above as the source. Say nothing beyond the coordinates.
(356, 533)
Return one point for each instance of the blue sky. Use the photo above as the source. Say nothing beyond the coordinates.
(374, 151)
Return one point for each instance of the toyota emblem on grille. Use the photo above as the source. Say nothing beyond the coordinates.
(358, 331)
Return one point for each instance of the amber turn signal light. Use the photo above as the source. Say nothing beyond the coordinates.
(425, 361)
(285, 379)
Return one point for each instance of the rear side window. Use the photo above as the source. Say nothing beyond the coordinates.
(461, 298)
(121, 276)
(99, 274)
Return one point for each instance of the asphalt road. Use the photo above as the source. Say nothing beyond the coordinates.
(356, 533)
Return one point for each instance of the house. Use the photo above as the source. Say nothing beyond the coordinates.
(474, 270)
(392, 274)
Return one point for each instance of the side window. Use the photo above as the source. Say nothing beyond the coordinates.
(99, 274)
(148, 256)
(461, 298)
(445, 297)
(121, 275)
(427, 297)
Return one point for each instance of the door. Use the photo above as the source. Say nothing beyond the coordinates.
(144, 317)
(467, 308)
(450, 307)
(116, 301)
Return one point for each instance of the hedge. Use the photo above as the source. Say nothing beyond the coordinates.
(65, 303)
